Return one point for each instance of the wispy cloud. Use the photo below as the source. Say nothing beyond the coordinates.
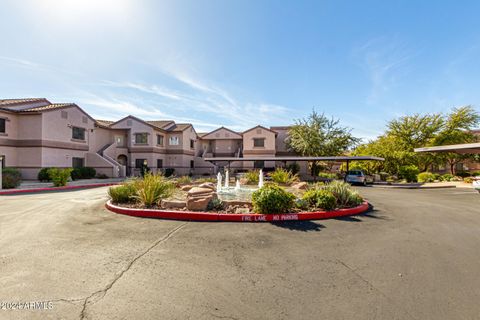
(36, 66)
(199, 96)
(385, 61)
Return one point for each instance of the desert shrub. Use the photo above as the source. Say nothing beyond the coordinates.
(43, 175)
(384, 176)
(152, 188)
(203, 180)
(184, 180)
(425, 177)
(354, 199)
(215, 205)
(252, 176)
(408, 173)
(293, 168)
(272, 198)
(302, 204)
(76, 174)
(437, 176)
(343, 193)
(446, 177)
(11, 178)
(468, 179)
(169, 172)
(463, 174)
(83, 173)
(124, 193)
(320, 198)
(475, 173)
(328, 175)
(59, 177)
(283, 176)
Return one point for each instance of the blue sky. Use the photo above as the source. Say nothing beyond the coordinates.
(241, 63)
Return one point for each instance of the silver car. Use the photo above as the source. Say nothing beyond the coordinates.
(356, 177)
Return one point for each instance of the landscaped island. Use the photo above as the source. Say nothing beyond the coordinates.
(283, 193)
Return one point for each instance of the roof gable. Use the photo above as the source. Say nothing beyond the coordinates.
(260, 127)
(217, 134)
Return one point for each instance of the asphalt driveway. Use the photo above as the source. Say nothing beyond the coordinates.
(416, 256)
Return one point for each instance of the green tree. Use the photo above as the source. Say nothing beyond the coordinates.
(457, 129)
(406, 133)
(318, 136)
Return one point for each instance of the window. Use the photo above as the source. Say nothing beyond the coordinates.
(174, 141)
(84, 119)
(78, 133)
(78, 162)
(139, 163)
(259, 164)
(192, 164)
(3, 126)
(141, 138)
(192, 144)
(259, 142)
(159, 163)
(159, 139)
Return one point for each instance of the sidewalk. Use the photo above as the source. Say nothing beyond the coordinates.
(37, 186)
(34, 184)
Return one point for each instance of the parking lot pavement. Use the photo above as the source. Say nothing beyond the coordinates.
(415, 256)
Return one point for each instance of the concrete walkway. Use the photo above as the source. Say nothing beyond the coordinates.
(34, 184)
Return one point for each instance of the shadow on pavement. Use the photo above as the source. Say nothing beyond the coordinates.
(299, 225)
(370, 213)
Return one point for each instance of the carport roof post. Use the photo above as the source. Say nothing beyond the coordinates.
(456, 148)
(1, 169)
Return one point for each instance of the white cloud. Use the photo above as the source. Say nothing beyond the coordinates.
(193, 95)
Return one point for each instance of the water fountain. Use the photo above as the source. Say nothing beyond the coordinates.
(237, 186)
(219, 182)
(227, 179)
(260, 179)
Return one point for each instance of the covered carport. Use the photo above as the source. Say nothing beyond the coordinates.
(465, 148)
(346, 159)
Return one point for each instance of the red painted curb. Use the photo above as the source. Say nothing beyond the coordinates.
(33, 190)
(205, 216)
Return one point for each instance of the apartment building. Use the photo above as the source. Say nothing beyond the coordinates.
(256, 142)
(35, 133)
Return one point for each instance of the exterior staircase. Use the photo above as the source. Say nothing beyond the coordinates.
(119, 171)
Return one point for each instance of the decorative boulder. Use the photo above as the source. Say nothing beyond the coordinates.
(173, 204)
(198, 191)
(300, 186)
(186, 188)
(241, 203)
(199, 203)
(208, 185)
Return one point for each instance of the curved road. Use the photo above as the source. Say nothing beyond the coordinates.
(416, 256)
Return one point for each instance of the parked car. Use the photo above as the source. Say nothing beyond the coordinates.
(358, 177)
(476, 183)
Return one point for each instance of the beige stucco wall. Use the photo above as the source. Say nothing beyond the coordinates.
(56, 128)
(10, 156)
(267, 149)
(11, 125)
